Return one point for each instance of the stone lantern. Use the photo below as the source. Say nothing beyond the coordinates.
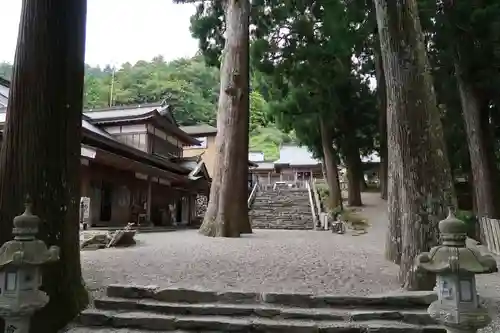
(20, 276)
(455, 266)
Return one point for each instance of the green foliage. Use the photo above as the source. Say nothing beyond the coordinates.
(470, 219)
(190, 86)
(472, 30)
(311, 62)
(258, 111)
(268, 140)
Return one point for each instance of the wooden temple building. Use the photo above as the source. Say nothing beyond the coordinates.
(132, 166)
(295, 165)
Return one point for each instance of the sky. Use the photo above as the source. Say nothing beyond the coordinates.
(118, 31)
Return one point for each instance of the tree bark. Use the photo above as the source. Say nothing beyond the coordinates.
(245, 226)
(418, 156)
(330, 165)
(225, 216)
(353, 186)
(352, 161)
(41, 150)
(382, 108)
(481, 152)
(388, 184)
(476, 115)
(363, 186)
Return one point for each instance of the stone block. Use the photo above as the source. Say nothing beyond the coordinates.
(131, 291)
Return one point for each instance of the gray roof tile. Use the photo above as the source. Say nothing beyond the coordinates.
(199, 129)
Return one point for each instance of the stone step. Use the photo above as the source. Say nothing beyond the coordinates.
(284, 217)
(283, 197)
(86, 329)
(411, 316)
(162, 322)
(274, 207)
(395, 300)
(266, 203)
(280, 227)
(277, 213)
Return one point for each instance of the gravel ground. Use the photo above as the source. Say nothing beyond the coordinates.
(267, 261)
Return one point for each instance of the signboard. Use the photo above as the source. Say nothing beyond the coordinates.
(203, 144)
(85, 208)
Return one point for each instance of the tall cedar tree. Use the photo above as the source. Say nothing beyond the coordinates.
(476, 110)
(418, 160)
(227, 212)
(41, 150)
(330, 165)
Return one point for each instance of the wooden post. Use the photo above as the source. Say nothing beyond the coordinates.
(149, 200)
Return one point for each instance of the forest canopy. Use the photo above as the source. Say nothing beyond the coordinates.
(189, 85)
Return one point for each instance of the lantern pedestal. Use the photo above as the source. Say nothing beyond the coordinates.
(455, 321)
(17, 324)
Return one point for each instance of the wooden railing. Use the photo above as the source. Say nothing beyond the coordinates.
(319, 207)
(491, 230)
(252, 195)
(312, 204)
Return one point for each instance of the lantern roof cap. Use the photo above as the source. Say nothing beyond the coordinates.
(448, 260)
(26, 224)
(26, 253)
(453, 256)
(452, 225)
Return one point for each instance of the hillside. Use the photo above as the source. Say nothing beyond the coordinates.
(187, 84)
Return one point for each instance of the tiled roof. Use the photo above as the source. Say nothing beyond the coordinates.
(264, 165)
(199, 129)
(120, 112)
(256, 156)
(87, 125)
(294, 155)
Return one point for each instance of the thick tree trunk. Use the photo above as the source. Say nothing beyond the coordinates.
(382, 109)
(481, 151)
(394, 240)
(41, 149)
(477, 124)
(363, 186)
(418, 156)
(225, 216)
(352, 161)
(353, 184)
(388, 184)
(244, 220)
(330, 165)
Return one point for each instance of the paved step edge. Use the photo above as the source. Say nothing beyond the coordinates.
(148, 321)
(412, 299)
(86, 329)
(417, 317)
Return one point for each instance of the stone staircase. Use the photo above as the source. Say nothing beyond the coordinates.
(146, 309)
(282, 209)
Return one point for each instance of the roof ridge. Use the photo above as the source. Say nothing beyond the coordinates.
(124, 107)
